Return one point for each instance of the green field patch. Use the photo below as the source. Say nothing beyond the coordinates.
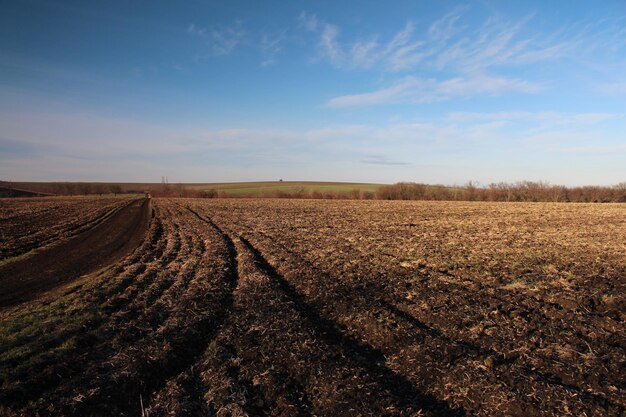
(271, 188)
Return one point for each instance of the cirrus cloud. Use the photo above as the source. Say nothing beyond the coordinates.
(417, 90)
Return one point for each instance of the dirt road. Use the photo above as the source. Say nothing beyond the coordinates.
(59, 264)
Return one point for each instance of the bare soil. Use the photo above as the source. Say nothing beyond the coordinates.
(28, 224)
(326, 308)
(113, 238)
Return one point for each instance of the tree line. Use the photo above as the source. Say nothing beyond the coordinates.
(522, 191)
(526, 191)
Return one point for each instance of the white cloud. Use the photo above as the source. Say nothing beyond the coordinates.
(270, 47)
(309, 22)
(485, 85)
(402, 52)
(446, 27)
(474, 117)
(73, 146)
(504, 43)
(383, 160)
(613, 88)
(445, 44)
(596, 149)
(192, 29)
(416, 90)
(364, 53)
(337, 132)
(329, 45)
(402, 91)
(495, 43)
(225, 40)
(475, 60)
(552, 118)
(222, 40)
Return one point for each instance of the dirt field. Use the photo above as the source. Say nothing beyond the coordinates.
(103, 240)
(32, 223)
(328, 308)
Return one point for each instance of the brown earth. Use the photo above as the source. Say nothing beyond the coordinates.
(324, 308)
(28, 224)
(8, 192)
(56, 265)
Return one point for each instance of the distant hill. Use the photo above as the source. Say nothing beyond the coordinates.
(510, 192)
(289, 187)
(235, 189)
(9, 192)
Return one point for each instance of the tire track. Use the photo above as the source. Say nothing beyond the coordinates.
(358, 352)
(459, 350)
(49, 370)
(113, 239)
(361, 356)
(145, 367)
(118, 301)
(38, 241)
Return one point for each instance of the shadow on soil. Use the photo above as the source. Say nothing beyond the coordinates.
(361, 354)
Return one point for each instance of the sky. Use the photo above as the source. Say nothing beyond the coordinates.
(203, 91)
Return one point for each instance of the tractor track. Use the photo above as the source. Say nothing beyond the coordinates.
(112, 238)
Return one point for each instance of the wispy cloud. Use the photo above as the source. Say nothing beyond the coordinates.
(14, 148)
(223, 40)
(444, 28)
(327, 44)
(403, 52)
(596, 149)
(308, 21)
(403, 91)
(194, 30)
(73, 146)
(552, 118)
(476, 59)
(270, 47)
(612, 89)
(382, 160)
(417, 90)
(445, 44)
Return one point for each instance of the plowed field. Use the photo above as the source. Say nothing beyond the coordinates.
(334, 308)
(31, 223)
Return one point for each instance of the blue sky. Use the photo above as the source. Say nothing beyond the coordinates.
(200, 91)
